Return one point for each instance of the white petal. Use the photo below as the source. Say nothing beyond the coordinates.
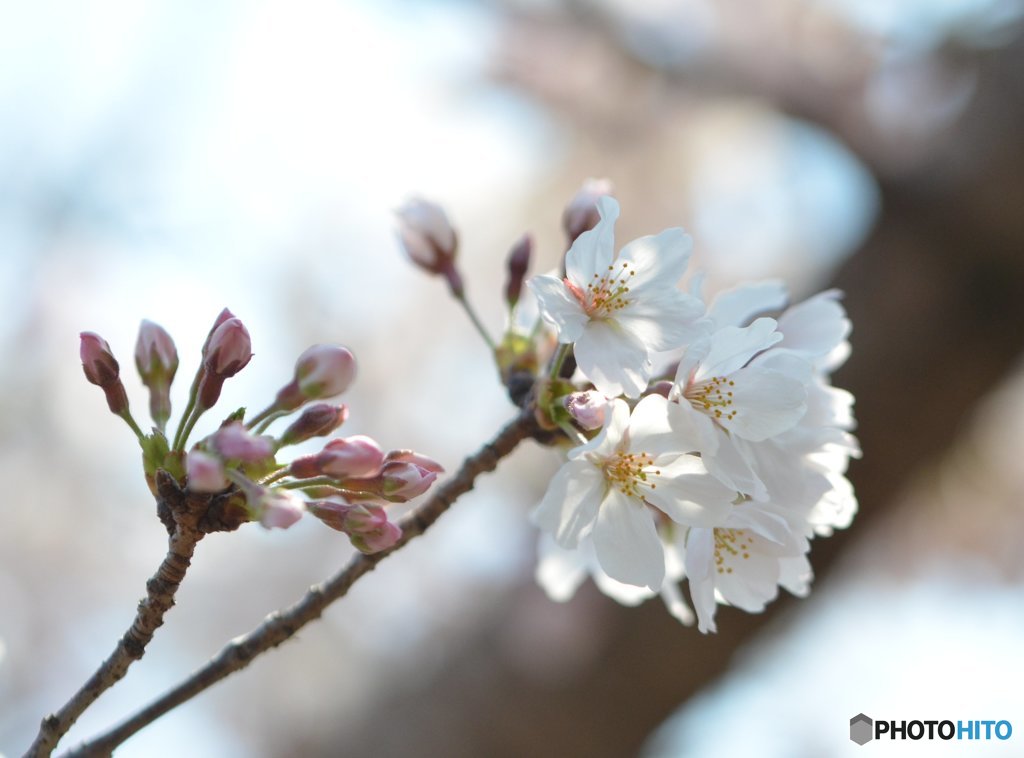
(700, 551)
(732, 347)
(752, 583)
(816, 326)
(659, 260)
(735, 470)
(626, 594)
(663, 321)
(615, 361)
(627, 543)
(692, 430)
(569, 506)
(688, 494)
(796, 575)
(559, 572)
(649, 428)
(673, 598)
(558, 306)
(765, 403)
(594, 250)
(736, 306)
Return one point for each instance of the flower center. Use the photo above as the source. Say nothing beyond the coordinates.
(627, 472)
(731, 544)
(605, 293)
(713, 396)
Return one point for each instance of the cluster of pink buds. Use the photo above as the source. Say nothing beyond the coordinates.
(351, 480)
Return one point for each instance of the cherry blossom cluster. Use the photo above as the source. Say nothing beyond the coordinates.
(703, 440)
(347, 485)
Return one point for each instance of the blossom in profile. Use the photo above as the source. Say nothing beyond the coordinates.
(618, 308)
(614, 488)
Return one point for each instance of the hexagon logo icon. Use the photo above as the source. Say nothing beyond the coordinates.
(861, 729)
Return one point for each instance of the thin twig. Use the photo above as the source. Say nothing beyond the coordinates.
(160, 591)
(282, 625)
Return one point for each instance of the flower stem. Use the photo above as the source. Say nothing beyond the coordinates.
(559, 360)
(269, 419)
(266, 415)
(193, 393)
(572, 432)
(128, 419)
(461, 297)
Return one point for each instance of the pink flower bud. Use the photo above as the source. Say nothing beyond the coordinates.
(325, 371)
(229, 349)
(581, 213)
(233, 441)
(369, 529)
(305, 467)
(427, 234)
(227, 352)
(98, 361)
(102, 369)
(587, 408)
(277, 508)
(428, 464)
(205, 472)
(157, 362)
(401, 480)
(316, 421)
(518, 264)
(224, 315)
(350, 457)
(331, 511)
(155, 355)
(367, 526)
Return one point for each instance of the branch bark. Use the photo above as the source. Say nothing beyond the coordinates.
(282, 625)
(181, 514)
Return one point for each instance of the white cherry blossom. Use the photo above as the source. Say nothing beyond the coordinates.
(743, 561)
(616, 309)
(613, 488)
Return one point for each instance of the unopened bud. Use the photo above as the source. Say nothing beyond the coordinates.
(369, 530)
(587, 408)
(157, 362)
(234, 442)
(401, 480)
(367, 526)
(155, 354)
(102, 369)
(98, 362)
(429, 239)
(518, 264)
(227, 352)
(581, 213)
(205, 472)
(277, 508)
(332, 511)
(322, 371)
(316, 421)
(229, 349)
(354, 457)
(409, 456)
(224, 315)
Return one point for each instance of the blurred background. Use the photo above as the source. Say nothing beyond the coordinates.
(164, 160)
